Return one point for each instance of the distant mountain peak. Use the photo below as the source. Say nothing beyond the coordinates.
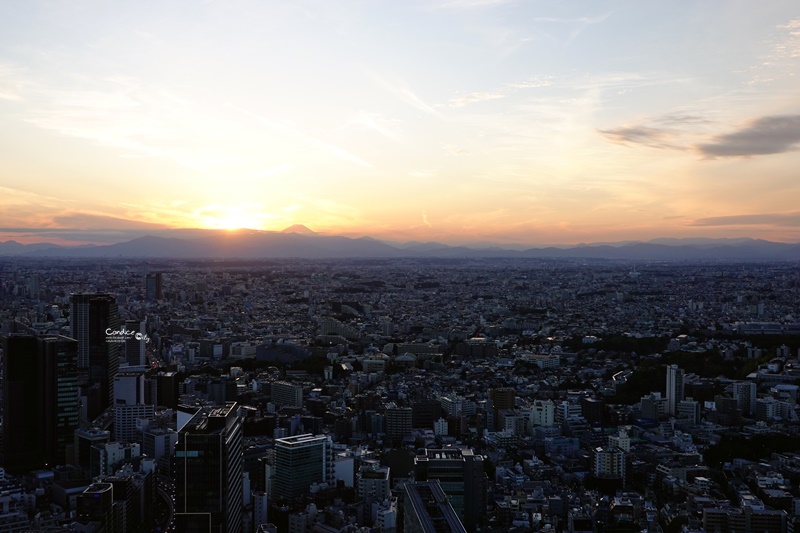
(299, 229)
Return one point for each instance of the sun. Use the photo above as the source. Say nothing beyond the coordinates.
(235, 222)
(231, 218)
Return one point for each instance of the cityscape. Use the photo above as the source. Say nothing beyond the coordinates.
(413, 394)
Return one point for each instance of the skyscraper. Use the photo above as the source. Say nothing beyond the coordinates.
(745, 393)
(398, 423)
(92, 316)
(208, 472)
(285, 393)
(462, 478)
(135, 354)
(674, 388)
(301, 461)
(503, 398)
(152, 286)
(40, 400)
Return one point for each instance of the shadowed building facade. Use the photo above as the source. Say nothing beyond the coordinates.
(208, 472)
(40, 401)
(461, 476)
(91, 316)
(301, 461)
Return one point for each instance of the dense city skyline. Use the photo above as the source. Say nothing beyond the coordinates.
(456, 121)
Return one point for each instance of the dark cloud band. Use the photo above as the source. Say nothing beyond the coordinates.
(767, 135)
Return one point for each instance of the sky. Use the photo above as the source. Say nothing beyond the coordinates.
(459, 121)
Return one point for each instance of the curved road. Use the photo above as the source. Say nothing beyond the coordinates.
(167, 497)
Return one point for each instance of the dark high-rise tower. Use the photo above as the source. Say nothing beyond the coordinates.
(461, 475)
(134, 348)
(40, 400)
(208, 472)
(92, 318)
(152, 285)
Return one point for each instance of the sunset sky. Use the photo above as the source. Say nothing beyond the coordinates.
(532, 122)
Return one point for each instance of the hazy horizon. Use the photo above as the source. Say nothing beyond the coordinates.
(457, 121)
(73, 238)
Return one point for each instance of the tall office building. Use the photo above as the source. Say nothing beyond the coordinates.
(85, 440)
(129, 405)
(373, 481)
(92, 315)
(135, 354)
(40, 401)
(424, 413)
(542, 413)
(152, 286)
(745, 393)
(674, 388)
(163, 389)
(689, 411)
(208, 472)
(461, 475)
(301, 461)
(609, 463)
(398, 423)
(96, 505)
(503, 398)
(285, 393)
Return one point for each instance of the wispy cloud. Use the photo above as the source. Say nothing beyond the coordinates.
(425, 219)
(762, 136)
(81, 220)
(789, 46)
(13, 83)
(653, 137)
(695, 133)
(273, 171)
(74, 227)
(759, 219)
(680, 119)
(402, 91)
(284, 127)
(374, 122)
(453, 149)
(576, 25)
(471, 4)
(533, 83)
(424, 173)
(461, 101)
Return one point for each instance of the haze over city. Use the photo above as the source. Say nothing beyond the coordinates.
(459, 121)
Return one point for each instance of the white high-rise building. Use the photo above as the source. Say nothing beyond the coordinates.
(440, 427)
(129, 406)
(674, 388)
(543, 413)
(621, 440)
(609, 463)
(260, 508)
(373, 481)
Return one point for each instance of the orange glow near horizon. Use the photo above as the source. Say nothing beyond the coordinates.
(517, 123)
